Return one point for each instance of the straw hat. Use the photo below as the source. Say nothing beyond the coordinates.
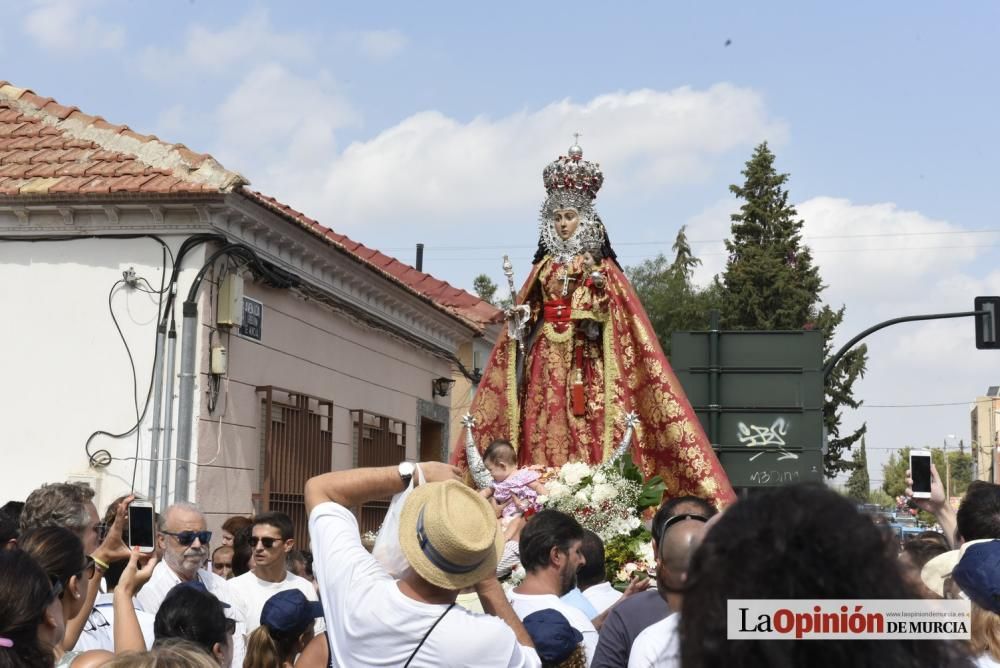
(449, 535)
(938, 569)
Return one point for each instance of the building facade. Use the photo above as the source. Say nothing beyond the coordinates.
(985, 428)
(287, 349)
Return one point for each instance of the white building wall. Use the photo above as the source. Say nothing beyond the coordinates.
(65, 370)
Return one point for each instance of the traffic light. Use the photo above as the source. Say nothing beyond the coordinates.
(987, 324)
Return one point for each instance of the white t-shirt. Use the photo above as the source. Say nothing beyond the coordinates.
(98, 632)
(248, 594)
(986, 661)
(602, 596)
(658, 646)
(525, 604)
(370, 622)
(151, 596)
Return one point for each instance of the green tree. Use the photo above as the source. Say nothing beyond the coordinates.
(858, 485)
(485, 288)
(770, 283)
(666, 291)
(881, 499)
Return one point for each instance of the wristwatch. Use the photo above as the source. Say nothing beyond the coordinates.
(406, 470)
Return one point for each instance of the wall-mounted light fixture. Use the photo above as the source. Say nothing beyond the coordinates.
(440, 387)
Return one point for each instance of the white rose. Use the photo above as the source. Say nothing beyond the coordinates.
(557, 490)
(603, 492)
(633, 523)
(542, 498)
(600, 477)
(574, 472)
(582, 497)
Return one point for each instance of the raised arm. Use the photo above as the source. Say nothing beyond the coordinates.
(496, 604)
(127, 632)
(356, 486)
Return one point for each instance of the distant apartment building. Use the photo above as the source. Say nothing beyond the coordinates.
(985, 436)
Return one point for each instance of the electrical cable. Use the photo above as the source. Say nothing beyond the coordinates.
(102, 457)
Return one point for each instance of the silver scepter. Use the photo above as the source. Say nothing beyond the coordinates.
(631, 420)
(517, 321)
(480, 474)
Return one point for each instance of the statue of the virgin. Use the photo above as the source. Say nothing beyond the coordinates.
(590, 356)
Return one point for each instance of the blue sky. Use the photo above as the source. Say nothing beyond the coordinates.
(431, 122)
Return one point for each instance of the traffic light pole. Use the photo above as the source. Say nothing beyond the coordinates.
(831, 365)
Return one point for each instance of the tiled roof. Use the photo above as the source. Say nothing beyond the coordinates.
(469, 308)
(47, 148)
(50, 149)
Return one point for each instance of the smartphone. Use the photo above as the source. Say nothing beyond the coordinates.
(920, 472)
(140, 526)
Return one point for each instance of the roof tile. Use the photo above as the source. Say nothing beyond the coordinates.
(50, 148)
(460, 304)
(71, 184)
(40, 123)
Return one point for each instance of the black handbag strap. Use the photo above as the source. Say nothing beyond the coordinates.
(429, 631)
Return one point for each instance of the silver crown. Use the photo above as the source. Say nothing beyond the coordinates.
(571, 173)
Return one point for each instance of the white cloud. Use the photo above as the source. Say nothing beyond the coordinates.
(277, 127)
(440, 169)
(381, 45)
(234, 48)
(60, 25)
(874, 249)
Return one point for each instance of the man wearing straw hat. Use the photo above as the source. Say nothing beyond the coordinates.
(449, 536)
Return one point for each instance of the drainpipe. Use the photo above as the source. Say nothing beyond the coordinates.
(168, 435)
(154, 449)
(186, 398)
(420, 257)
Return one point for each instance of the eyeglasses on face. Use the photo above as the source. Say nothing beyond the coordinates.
(267, 541)
(186, 538)
(102, 530)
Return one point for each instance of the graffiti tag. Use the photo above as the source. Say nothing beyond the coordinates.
(756, 436)
(774, 477)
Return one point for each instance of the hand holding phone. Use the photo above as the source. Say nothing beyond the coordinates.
(141, 533)
(920, 472)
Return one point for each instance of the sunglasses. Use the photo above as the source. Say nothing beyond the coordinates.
(267, 541)
(102, 531)
(230, 625)
(186, 538)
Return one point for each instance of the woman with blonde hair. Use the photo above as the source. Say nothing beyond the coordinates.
(170, 654)
(286, 627)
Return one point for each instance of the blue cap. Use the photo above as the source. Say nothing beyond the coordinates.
(978, 574)
(289, 612)
(198, 585)
(555, 639)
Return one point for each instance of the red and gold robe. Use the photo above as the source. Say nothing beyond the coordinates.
(599, 336)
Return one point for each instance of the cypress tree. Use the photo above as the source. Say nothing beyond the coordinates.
(770, 283)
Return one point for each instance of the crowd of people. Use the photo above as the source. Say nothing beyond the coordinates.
(73, 593)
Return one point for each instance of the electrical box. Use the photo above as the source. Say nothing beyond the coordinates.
(230, 311)
(219, 361)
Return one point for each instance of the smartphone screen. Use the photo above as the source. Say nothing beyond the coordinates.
(140, 526)
(920, 470)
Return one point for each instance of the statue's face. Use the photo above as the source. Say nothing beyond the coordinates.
(565, 222)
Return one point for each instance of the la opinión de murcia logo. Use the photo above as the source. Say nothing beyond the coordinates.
(855, 619)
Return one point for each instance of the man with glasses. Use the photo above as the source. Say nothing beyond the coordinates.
(271, 539)
(183, 541)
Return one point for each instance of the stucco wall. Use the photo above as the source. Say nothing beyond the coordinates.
(306, 347)
(65, 371)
